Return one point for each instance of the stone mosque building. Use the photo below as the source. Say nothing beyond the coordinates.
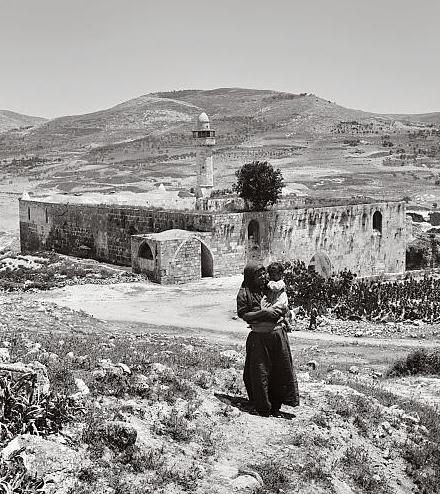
(176, 246)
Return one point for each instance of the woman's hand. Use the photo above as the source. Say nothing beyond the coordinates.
(273, 312)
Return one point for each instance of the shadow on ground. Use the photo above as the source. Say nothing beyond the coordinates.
(244, 405)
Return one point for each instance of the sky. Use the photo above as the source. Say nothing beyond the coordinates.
(65, 57)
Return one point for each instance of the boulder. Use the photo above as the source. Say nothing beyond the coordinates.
(53, 462)
(353, 369)
(81, 386)
(124, 367)
(162, 371)
(140, 384)
(5, 357)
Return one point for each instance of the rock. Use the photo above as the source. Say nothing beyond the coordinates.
(304, 377)
(162, 371)
(34, 348)
(227, 379)
(386, 426)
(48, 460)
(42, 385)
(124, 367)
(386, 454)
(99, 373)
(52, 358)
(245, 483)
(5, 356)
(313, 364)
(412, 419)
(140, 384)
(337, 374)
(358, 334)
(105, 363)
(353, 369)
(70, 356)
(83, 389)
(188, 348)
(232, 355)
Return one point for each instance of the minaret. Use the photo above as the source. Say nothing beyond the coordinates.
(205, 140)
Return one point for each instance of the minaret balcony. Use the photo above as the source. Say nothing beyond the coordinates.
(203, 134)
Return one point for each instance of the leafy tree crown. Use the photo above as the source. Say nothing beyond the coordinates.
(259, 184)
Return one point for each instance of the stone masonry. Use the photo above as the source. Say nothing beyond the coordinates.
(368, 239)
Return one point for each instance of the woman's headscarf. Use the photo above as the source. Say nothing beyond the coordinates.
(249, 274)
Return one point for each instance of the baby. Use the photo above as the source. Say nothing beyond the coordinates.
(277, 296)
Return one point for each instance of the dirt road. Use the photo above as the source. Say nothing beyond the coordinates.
(203, 308)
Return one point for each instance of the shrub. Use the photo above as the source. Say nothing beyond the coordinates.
(417, 362)
(358, 466)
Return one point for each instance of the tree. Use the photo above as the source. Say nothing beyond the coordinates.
(259, 184)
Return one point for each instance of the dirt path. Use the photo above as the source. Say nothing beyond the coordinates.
(204, 308)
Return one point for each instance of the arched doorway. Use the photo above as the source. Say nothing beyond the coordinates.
(145, 251)
(320, 264)
(193, 259)
(207, 262)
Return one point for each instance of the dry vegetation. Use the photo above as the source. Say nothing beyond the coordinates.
(152, 413)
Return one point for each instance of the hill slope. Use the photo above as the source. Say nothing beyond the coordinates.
(168, 117)
(11, 120)
(320, 146)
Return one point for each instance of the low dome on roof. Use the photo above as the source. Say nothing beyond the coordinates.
(203, 118)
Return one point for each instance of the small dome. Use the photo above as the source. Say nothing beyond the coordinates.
(203, 118)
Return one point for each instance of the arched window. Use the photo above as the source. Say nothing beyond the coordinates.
(364, 220)
(47, 217)
(29, 213)
(254, 232)
(145, 251)
(377, 222)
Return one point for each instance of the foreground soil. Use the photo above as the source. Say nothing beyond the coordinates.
(347, 436)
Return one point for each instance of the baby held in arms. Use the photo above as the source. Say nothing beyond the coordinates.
(276, 296)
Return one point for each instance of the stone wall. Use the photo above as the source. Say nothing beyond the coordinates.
(97, 231)
(345, 233)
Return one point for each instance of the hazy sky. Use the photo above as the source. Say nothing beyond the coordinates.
(61, 57)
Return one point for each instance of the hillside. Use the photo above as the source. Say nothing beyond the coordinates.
(235, 111)
(11, 120)
(322, 148)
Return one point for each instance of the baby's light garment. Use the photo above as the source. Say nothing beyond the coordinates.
(276, 286)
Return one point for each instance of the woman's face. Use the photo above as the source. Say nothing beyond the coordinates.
(260, 278)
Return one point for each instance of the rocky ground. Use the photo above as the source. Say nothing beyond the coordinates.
(145, 411)
(141, 392)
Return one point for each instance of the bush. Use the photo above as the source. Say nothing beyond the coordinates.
(417, 362)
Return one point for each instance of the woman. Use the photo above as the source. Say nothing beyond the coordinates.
(268, 372)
